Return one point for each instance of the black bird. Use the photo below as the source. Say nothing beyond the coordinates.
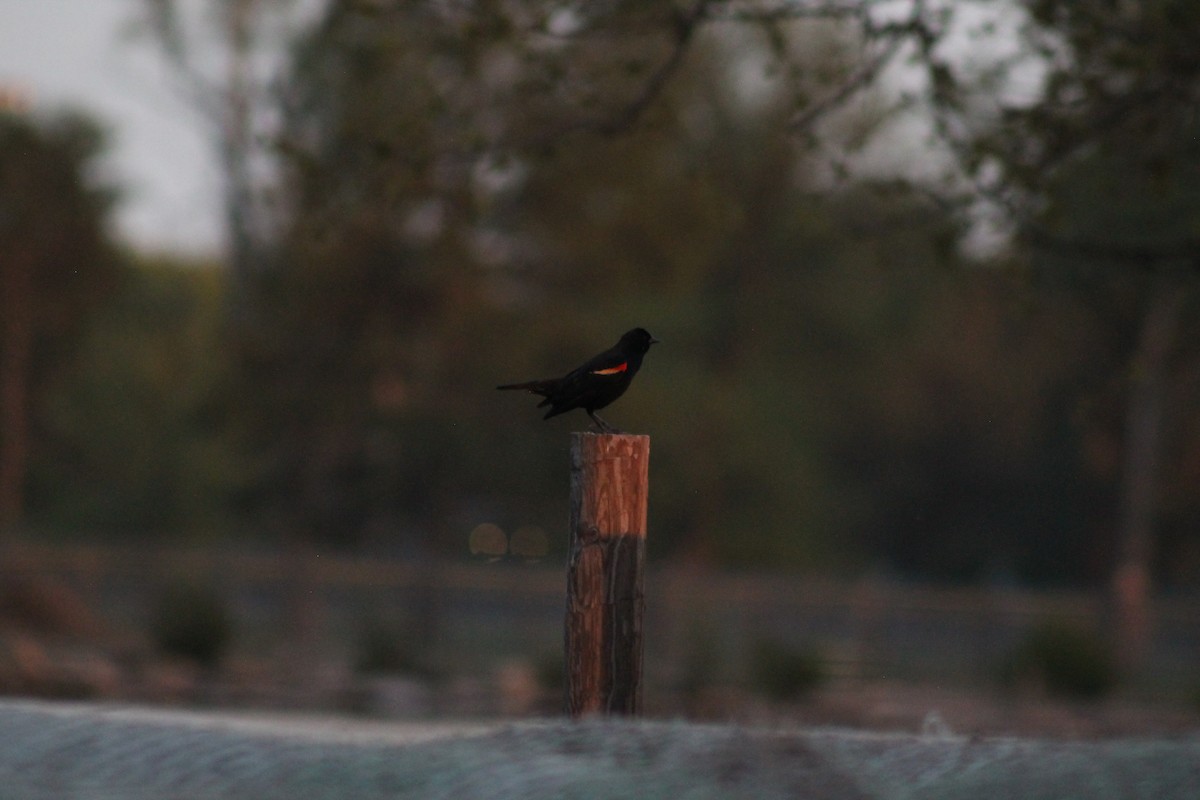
(601, 379)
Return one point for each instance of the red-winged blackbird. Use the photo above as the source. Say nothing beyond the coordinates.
(601, 379)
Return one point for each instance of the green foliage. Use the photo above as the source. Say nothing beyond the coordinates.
(135, 430)
(834, 387)
(782, 672)
(823, 361)
(380, 653)
(1065, 660)
(382, 335)
(59, 262)
(193, 622)
(1096, 172)
(56, 264)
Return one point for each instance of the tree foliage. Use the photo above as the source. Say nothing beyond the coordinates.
(449, 232)
(55, 264)
(475, 194)
(445, 218)
(1096, 174)
(136, 439)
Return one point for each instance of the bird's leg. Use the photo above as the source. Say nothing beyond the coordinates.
(601, 425)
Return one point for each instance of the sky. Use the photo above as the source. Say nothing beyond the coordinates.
(82, 54)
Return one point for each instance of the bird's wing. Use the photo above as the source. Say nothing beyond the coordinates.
(618, 369)
(579, 385)
(610, 362)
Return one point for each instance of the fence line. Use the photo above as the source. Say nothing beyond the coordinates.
(473, 612)
(93, 562)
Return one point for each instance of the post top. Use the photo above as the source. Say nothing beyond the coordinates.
(612, 436)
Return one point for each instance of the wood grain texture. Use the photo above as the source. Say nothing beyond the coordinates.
(605, 571)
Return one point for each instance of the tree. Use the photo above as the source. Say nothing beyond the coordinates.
(55, 264)
(223, 57)
(134, 433)
(1097, 175)
(465, 182)
(461, 179)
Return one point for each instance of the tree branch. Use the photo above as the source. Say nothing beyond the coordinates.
(759, 13)
(686, 24)
(865, 74)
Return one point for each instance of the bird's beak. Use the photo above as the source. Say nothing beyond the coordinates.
(655, 341)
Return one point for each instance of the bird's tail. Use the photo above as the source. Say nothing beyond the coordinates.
(535, 387)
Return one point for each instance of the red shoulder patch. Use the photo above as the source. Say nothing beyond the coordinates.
(624, 365)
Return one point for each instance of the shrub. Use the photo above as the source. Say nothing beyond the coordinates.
(785, 673)
(383, 650)
(1067, 660)
(551, 672)
(192, 622)
(699, 663)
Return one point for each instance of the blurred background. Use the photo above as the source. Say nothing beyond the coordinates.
(925, 418)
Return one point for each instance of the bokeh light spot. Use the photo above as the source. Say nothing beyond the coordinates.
(487, 540)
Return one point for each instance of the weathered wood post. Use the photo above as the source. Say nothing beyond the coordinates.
(605, 564)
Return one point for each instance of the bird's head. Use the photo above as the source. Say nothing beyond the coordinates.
(637, 340)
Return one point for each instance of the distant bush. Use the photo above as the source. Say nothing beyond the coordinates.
(550, 671)
(383, 650)
(1068, 661)
(782, 672)
(194, 623)
(700, 661)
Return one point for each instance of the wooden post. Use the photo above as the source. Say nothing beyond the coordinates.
(605, 563)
